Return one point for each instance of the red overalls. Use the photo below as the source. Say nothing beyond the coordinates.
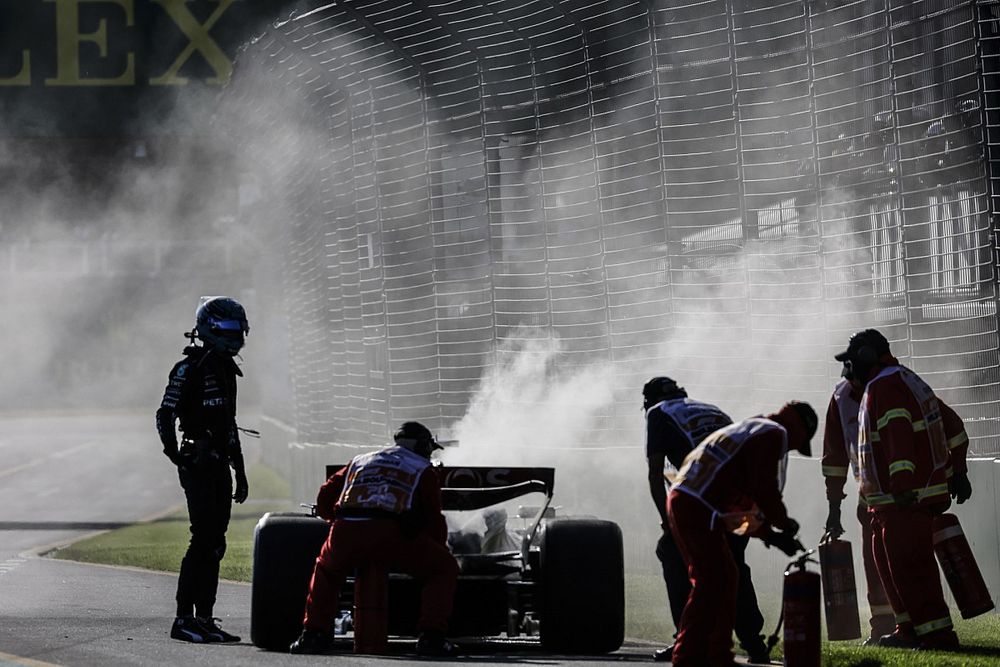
(730, 472)
(909, 442)
(364, 500)
(840, 454)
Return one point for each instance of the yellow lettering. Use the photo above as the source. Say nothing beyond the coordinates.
(22, 78)
(69, 38)
(198, 39)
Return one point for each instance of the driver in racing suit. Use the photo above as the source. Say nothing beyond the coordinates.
(201, 395)
(385, 507)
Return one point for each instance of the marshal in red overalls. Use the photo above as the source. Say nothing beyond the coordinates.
(731, 481)
(385, 508)
(910, 444)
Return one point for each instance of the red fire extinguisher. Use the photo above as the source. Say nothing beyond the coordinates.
(960, 568)
(840, 592)
(800, 612)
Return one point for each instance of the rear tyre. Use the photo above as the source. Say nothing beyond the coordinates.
(285, 547)
(582, 579)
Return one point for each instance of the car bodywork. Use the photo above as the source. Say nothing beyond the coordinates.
(562, 583)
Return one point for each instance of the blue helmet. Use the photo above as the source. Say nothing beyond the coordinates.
(221, 323)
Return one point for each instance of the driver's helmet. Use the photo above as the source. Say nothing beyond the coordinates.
(221, 323)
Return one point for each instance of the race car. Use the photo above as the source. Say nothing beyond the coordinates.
(558, 580)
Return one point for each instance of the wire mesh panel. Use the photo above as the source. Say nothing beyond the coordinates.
(352, 252)
(318, 412)
(721, 190)
(631, 197)
(701, 160)
(773, 81)
(565, 172)
(949, 261)
(858, 184)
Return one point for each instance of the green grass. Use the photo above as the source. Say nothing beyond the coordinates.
(267, 484)
(160, 544)
(980, 639)
(647, 617)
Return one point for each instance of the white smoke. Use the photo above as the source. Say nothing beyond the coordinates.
(529, 408)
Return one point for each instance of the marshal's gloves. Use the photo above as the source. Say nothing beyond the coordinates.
(785, 541)
(906, 498)
(960, 487)
(833, 525)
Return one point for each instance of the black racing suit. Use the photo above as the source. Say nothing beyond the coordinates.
(665, 439)
(201, 393)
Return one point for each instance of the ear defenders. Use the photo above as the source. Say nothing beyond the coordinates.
(866, 356)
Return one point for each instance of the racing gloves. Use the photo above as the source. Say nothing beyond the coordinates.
(242, 487)
(239, 467)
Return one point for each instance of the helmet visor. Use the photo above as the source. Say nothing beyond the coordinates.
(229, 326)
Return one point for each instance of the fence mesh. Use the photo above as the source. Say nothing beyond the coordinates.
(721, 190)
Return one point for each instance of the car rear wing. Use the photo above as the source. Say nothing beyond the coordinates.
(476, 487)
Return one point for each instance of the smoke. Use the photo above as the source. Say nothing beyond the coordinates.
(109, 236)
(534, 409)
(528, 405)
(111, 254)
(109, 242)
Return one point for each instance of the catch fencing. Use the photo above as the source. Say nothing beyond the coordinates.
(719, 190)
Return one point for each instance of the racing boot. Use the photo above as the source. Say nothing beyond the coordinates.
(213, 632)
(188, 629)
(311, 642)
(433, 644)
(664, 654)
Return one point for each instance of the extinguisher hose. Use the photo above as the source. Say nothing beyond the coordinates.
(772, 640)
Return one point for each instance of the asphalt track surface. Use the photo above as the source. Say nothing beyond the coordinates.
(67, 476)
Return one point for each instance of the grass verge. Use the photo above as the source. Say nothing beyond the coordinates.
(647, 617)
(980, 639)
(160, 544)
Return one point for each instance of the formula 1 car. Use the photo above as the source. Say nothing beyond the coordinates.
(561, 584)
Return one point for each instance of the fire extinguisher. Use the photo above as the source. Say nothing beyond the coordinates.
(840, 592)
(960, 568)
(800, 614)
